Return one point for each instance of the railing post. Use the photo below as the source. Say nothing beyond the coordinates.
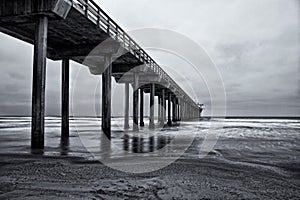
(86, 8)
(108, 26)
(98, 18)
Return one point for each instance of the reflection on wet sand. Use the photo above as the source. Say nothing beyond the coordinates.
(64, 146)
(142, 144)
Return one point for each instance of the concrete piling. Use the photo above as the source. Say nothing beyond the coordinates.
(65, 99)
(135, 102)
(38, 85)
(152, 92)
(142, 107)
(106, 97)
(126, 118)
(169, 110)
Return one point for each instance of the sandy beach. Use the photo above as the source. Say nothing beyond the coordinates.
(46, 177)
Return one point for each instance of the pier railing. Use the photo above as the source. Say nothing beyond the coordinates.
(94, 13)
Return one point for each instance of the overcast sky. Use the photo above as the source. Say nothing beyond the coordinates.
(253, 43)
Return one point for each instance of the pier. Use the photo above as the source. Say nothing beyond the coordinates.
(70, 30)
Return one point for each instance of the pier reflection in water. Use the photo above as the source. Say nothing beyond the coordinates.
(64, 146)
(142, 144)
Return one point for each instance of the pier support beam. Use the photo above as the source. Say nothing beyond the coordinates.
(174, 110)
(135, 102)
(152, 92)
(126, 118)
(65, 99)
(106, 97)
(162, 111)
(159, 109)
(165, 109)
(142, 107)
(183, 110)
(169, 110)
(38, 84)
(178, 110)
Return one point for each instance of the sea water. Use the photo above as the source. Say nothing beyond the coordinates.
(264, 141)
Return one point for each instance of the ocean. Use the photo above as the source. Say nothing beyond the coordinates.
(261, 140)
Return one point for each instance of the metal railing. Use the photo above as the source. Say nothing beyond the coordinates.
(94, 13)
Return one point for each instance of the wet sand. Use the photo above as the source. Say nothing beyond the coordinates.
(25, 176)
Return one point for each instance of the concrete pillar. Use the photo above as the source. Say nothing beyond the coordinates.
(193, 109)
(65, 99)
(188, 110)
(178, 110)
(185, 111)
(151, 144)
(106, 97)
(164, 106)
(194, 116)
(152, 92)
(169, 110)
(174, 110)
(159, 109)
(38, 83)
(135, 102)
(182, 110)
(163, 109)
(142, 107)
(193, 113)
(126, 119)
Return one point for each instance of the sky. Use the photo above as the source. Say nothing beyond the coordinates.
(253, 44)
